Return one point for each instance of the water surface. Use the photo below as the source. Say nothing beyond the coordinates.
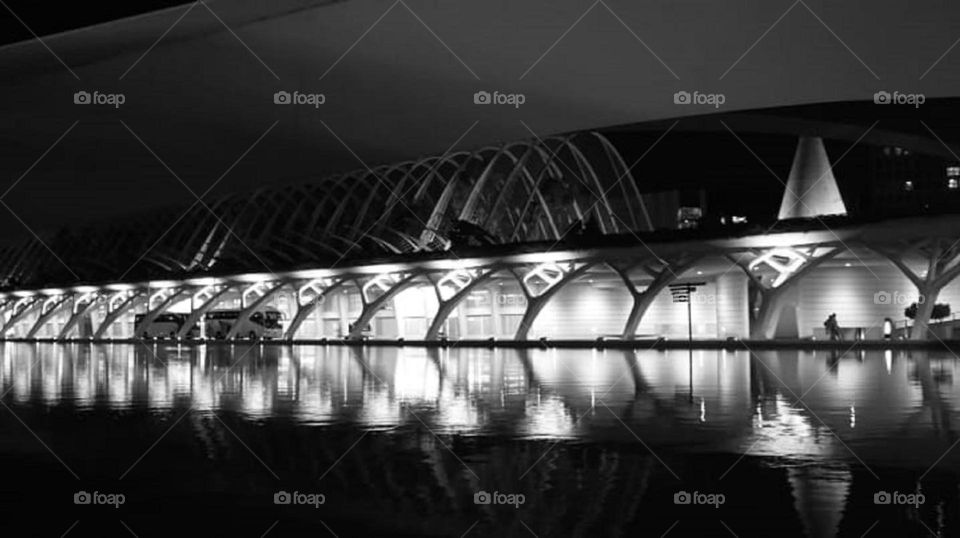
(399, 441)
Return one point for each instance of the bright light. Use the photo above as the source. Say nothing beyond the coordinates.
(121, 287)
(207, 282)
(52, 291)
(253, 277)
(86, 289)
(163, 284)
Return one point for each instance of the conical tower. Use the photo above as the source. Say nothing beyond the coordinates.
(811, 188)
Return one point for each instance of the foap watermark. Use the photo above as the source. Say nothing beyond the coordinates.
(907, 499)
(884, 97)
(696, 98)
(106, 499)
(703, 298)
(497, 98)
(84, 97)
(511, 299)
(706, 499)
(896, 298)
(296, 98)
(304, 499)
(510, 499)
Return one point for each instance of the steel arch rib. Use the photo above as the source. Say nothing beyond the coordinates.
(440, 208)
(358, 227)
(534, 188)
(586, 169)
(517, 166)
(503, 189)
(469, 208)
(616, 159)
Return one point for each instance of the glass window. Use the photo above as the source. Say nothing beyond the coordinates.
(414, 327)
(479, 326)
(353, 302)
(509, 323)
(479, 298)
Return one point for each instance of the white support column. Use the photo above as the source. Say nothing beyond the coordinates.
(311, 295)
(117, 306)
(774, 272)
(451, 289)
(942, 258)
(663, 273)
(81, 308)
(540, 284)
(266, 291)
(208, 297)
(376, 292)
(20, 309)
(162, 300)
(50, 307)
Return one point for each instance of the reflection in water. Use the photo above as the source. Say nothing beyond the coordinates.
(818, 423)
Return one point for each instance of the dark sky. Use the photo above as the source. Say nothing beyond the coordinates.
(399, 82)
(38, 16)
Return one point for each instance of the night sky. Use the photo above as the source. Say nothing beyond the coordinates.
(399, 81)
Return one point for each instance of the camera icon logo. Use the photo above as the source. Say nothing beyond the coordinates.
(682, 497)
(82, 497)
(282, 497)
(282, 98)
(81, 98)
(482, 98)
(482, 497)
(882, 297)
(882, 98)
(882, 497)
(681, 98)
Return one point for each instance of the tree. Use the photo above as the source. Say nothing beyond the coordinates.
(940, 311)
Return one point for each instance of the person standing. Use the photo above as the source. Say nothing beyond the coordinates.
(833, 328)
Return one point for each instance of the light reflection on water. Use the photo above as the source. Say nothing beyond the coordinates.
(577, 430)
(783, 403)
